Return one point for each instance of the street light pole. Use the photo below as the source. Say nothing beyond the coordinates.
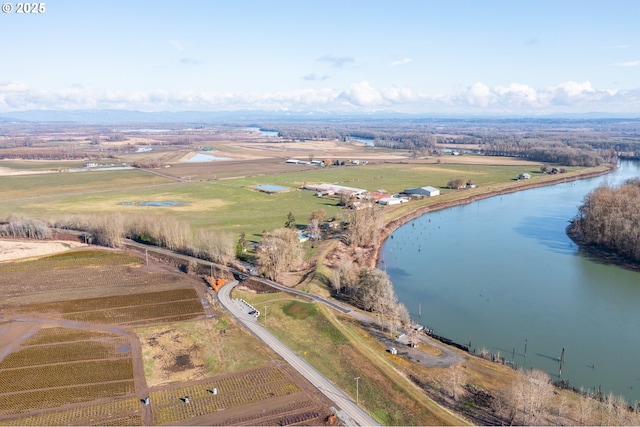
(357, 390)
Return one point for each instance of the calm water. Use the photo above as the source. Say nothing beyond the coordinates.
(501, 271)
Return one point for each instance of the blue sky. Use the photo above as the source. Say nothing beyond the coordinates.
(428, 57)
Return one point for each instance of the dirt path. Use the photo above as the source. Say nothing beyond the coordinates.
(17, 329)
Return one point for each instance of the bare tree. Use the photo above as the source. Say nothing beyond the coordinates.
(279, 251)
(364, 225)
(457, 379)
(313, 230)
(585, 409)
(531, 394)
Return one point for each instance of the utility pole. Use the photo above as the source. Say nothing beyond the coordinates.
(357, 390)
(524, 364)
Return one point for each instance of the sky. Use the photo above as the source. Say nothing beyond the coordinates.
(515, 57)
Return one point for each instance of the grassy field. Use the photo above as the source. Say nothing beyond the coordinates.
(233, 205)
(338, 349)
(77, 184)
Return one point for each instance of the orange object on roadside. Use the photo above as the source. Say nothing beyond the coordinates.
(216, 284)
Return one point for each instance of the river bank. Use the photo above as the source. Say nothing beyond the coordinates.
(371, 257)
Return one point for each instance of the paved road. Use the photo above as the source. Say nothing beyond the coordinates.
(351, 413)
(448, 357)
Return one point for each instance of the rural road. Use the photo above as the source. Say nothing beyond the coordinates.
(351, 413)
(447, 358)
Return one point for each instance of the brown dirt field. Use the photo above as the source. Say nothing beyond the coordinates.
(180, 364)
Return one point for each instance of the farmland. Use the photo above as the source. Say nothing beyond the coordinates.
(73, 351)
(119, 328)
(231, 204)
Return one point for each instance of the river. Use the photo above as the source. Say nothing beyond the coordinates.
(502, 274)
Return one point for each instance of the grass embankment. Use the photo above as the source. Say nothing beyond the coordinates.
(338, 348)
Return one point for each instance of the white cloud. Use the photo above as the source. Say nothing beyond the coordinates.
(518, 94)
(362, 94)
(477, 95)
(399, 95)
(512, 98)
(401, 62)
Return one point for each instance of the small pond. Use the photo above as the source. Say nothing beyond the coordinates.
(269, 188)
(201, 158)
(166, 203)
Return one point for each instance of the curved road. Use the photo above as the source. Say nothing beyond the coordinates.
(351, 413)
(448, 357)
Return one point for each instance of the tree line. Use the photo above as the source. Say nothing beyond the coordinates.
(609, 218)
(110, 229)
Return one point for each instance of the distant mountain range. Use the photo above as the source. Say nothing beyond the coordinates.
(133, 116)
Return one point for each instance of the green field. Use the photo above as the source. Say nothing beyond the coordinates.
(331, 345)
(228, 205)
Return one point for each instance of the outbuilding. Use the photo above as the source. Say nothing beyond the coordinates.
(427, 191)
(524, 176)
(393, 200)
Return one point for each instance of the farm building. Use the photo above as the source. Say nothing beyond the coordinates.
(427, 191)
(297, 162)
(393, 200)
(524, 176)
(334, 189)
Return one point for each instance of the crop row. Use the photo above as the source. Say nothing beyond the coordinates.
(74, 260)
(65, 374)
(85, 278)
(273, 416)
(241, 381)
(82, 415)
(130, 420)
(60, 334)
(197, 406)
(162, 320)
(141, 312)
(20, 403)
(66, 352)
(123, 301)
(117, 301)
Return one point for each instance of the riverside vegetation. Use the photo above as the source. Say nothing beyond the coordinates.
(608, 222)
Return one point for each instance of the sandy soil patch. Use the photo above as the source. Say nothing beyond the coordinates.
(11, 172)
(16, 249)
